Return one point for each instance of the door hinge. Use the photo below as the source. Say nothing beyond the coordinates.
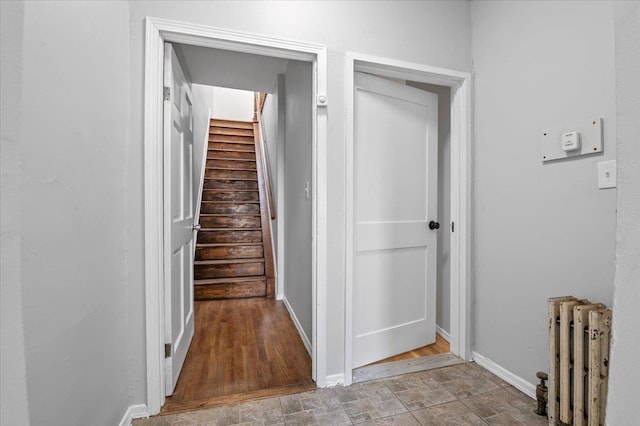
(166, 93)
(167, 350)
(453, 227)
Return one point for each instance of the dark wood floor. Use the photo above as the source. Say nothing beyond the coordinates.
(242, 349)
(441, 346)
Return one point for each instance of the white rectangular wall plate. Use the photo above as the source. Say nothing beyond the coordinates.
(590, 134)
(607, 174)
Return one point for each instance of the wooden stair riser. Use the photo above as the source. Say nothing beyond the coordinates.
(229, 208)
(230, 174)
(214, 195)
(224, 236)
(228, 270)
(230, 221)
(215, 130)
(239, 140)
(230, 290)
(231, 124)
(233, 146)
(231, 164)
(231, 184)
(240, 155)
(229, 252)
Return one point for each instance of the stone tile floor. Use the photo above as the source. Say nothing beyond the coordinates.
(464, 394)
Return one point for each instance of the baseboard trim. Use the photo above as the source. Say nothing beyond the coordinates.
(334, 380)
(445, 334)
(516, 381)
(303, 336)
(138, 411)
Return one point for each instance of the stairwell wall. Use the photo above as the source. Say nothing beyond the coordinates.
(232, 104)
(297, 205)
(202, 109)
(274, 130)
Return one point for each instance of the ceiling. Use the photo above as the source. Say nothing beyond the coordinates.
(236, 70)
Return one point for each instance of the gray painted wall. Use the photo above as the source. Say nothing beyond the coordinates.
(73, 165)
(443, 304)
(13, 386)
(624, 371)
(297, 171)
(541, 230)
(435, 33)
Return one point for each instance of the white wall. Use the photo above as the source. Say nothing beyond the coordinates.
(297, 171)
(541, 230)
(434, 33)
(624, 371)
(236, 70)
(443, 289)
(74, 139)
(14, 407)
(202, 108)
(232, 104)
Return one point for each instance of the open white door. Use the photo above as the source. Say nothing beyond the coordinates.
(395, 199)
(178, 216)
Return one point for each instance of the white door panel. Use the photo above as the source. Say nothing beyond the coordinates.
(178, 238)
(395, 184)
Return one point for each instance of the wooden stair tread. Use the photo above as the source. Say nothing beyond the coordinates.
(205, 245)
(228, 150)
(240, 137)
(231, 202)
(231, 158)
(235, 139)
(228, 169)
(225, 131)
(230, 229)
(226, 178)
(229, 190)
(225, 215)
(226, 261)
(209, 281)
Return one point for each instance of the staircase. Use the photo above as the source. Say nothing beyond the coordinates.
(231, 245)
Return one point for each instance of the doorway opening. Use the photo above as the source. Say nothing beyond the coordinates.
(244, 110)
(313, 57)
(418, 327)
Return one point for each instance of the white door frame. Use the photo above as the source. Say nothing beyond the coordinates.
(460, 84)
(159, 31)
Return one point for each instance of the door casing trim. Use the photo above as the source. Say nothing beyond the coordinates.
(460, 84)
(157, 32)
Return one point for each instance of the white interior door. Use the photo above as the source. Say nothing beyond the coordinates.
(178, 216)
(395, 185)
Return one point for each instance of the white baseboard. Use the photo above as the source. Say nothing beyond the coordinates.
(138, 411)
(334, 380)
(516, 381)
(445, 334)
(305, 340)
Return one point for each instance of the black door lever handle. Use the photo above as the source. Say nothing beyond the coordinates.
(434, 225)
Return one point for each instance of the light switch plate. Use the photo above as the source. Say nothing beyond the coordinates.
(607, 174)
(590, 134)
